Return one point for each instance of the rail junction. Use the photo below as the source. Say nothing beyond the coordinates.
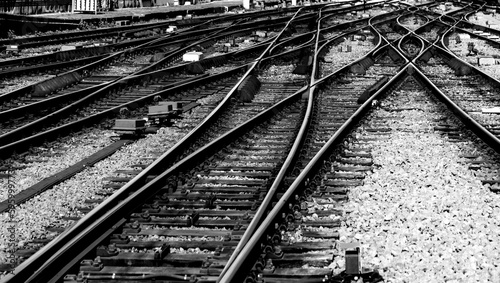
(330, 142)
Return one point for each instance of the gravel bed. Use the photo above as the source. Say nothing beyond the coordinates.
(493, 70)
(65, 153)
(142, 59)
(412, 22)
(47, 49)
(331, 34)
(48, 208)
(390, 34)
(121, 70)
(379, 11)
(57, 47)
(218, 70)
(437, 9)
(172, 251)
(282, 73)
(481, 18)
(420, 218)
(430, 35)
(241, 43)
(460, 91)
(10, 85)
(461, 49)
(336, 59)
(246, 163)
(24, 54)
(484, 50)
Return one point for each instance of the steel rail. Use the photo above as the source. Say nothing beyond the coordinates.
(408, 37)
(477, 128)
(43, 264)
(257, 219)
(243, 264)
(100, 222)
(114, 84)
(326, 44)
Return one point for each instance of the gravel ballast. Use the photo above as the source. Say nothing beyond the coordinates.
(49, 208)
(423, 215)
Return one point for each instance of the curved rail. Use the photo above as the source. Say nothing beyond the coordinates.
(52, 260)
(117, 84)
(398, 20)
(91, 229)
(323, 47)
(408, 39)
(243, 262)
(477, 128)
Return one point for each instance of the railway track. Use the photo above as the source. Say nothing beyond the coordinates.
(411, 46)
(103, 79)
(391, 30)
(160, 78)
(412, 21)
(431, 32)
(139, 30)
(157, 44)
(30, 122)
(471, 91)
(472, 46)
(271, 89)
(204, 214)
(336, 101)
(145, 46)
(259, 184)
(327, 209)
(353, 44)
(241, 113)
(55, 62)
